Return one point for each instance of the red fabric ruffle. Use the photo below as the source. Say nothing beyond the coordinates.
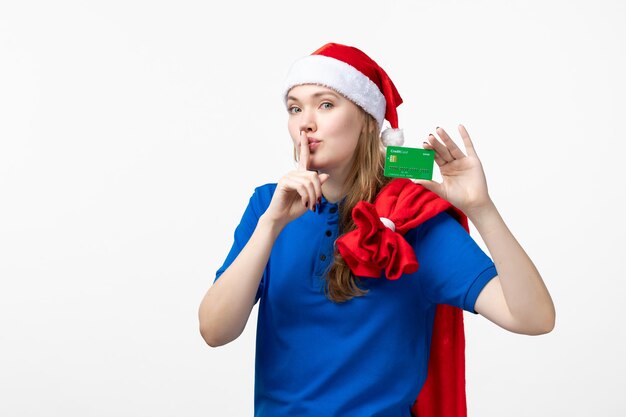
(372, 248)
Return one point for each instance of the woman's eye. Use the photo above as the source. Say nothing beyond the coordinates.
(330, 104)
(291, 109)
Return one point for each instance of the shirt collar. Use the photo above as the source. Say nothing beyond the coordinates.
(328, 207)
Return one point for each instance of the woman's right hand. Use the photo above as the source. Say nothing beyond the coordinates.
(297, 190)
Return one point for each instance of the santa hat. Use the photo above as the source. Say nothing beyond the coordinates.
(356, 76)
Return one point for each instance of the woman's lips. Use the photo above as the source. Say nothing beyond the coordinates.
(313, 143)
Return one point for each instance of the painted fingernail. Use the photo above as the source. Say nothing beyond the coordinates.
(313, 208)
(437, 127)
(306, 204)
(425, 143)
(319, 200)
(431, 135)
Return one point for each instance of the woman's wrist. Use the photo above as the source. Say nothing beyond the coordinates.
(274, 225)
(486, 219)
(480, 213)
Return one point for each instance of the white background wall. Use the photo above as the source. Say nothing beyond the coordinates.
(132, 134)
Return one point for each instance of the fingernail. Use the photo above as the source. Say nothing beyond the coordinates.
(306, 204)
(313, 208)
(437, 127)
(430, 134)
(425, 143)
(319, 200)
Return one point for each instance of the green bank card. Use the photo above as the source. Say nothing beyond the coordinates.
(416, 163)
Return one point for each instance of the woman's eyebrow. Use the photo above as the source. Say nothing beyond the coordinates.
(316, 95)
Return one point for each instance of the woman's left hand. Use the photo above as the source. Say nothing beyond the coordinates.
(464, 184)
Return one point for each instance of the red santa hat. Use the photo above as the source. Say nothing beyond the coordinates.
(356, 76)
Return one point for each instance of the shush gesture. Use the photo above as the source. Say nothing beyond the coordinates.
(297, 190)
(464, 184)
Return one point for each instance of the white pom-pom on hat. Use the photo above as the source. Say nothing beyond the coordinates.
(392, 137)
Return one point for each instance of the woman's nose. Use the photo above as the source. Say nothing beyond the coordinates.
(307, 121)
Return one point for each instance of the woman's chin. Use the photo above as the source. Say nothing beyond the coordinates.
(324, 165)
(314, 166)
(321, 165)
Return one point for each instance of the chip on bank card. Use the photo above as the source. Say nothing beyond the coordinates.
(416, 163)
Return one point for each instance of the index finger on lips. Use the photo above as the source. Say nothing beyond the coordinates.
(303, 164)
(318, 186)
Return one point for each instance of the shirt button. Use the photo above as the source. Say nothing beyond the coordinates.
(333, 209)
(323, 257)
(328, 233)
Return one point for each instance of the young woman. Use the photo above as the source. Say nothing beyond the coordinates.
(331, 342)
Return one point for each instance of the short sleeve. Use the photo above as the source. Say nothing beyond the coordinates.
(453, 269)
(256, 207)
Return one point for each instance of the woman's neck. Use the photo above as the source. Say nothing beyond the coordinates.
(333, 188)
(332, 192)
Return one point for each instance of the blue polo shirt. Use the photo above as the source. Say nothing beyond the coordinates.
(367, 356)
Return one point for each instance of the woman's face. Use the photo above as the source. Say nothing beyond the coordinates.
(328, 117)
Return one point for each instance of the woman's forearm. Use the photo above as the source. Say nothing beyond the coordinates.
(226, 307)
(526, 295)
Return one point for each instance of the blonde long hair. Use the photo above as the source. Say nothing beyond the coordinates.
(364, 181)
